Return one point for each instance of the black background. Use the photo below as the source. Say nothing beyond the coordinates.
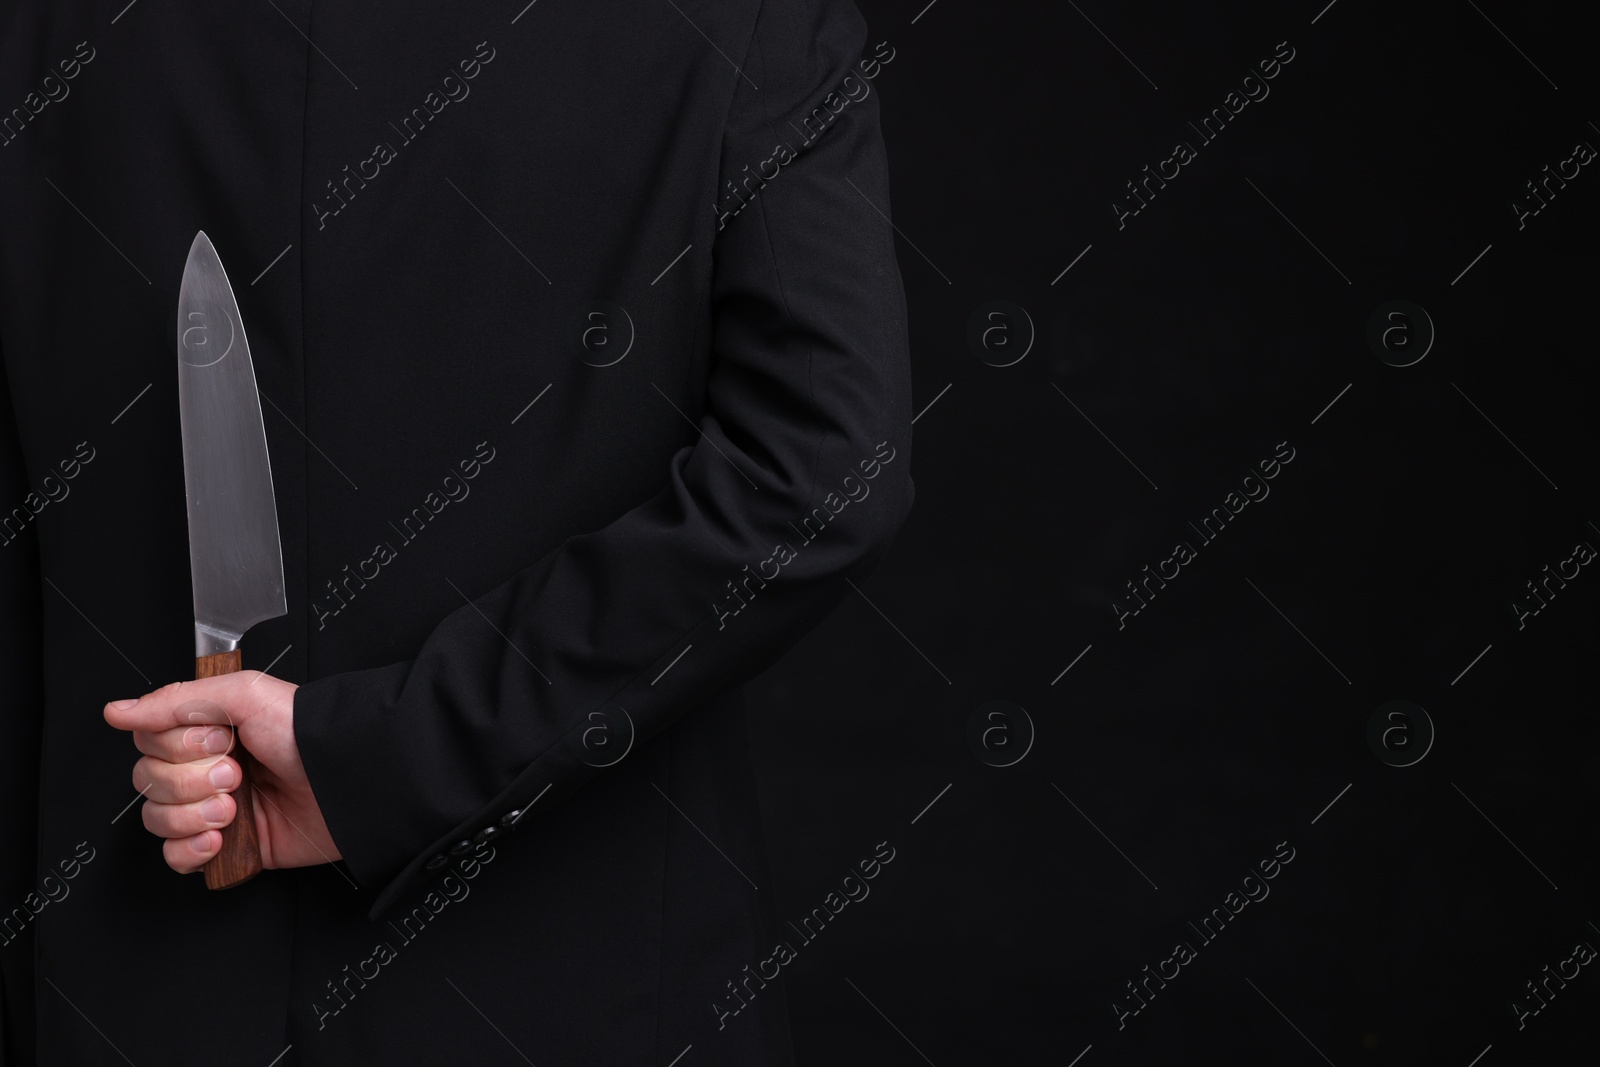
(1228, 714)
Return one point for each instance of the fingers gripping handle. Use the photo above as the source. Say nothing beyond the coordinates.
(240, 858)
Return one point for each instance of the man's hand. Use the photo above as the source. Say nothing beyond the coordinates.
(187, 777)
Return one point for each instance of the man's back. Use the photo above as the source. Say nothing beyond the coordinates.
(585, 314)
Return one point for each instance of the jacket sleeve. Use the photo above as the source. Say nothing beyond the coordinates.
(21, 672)
(798, 479)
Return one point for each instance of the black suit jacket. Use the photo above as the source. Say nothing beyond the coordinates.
(583, 355)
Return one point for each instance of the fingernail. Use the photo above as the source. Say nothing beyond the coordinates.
(214, 810)
(221, 775)
(201, 842)
(218, 740)
(123, 705)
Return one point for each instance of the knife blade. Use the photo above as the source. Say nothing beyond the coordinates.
(235, 557)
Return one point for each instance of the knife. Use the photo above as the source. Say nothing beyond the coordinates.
(235, 558)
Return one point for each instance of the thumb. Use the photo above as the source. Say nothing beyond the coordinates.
(197, 702)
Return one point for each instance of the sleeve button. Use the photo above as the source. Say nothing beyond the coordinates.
(488, 833)
(509, 819)
(461, 848)
(437, 861)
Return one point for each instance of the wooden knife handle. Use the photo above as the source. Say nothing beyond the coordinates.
(240, 858)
